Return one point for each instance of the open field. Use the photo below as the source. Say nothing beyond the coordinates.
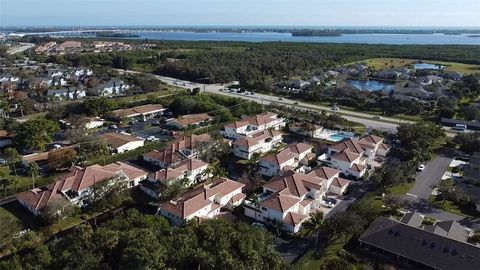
(382, 63)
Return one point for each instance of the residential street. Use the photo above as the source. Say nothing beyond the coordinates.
(430, 176)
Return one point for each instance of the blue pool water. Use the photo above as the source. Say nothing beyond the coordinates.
(427, 66)
(371, 85)
(337, 137)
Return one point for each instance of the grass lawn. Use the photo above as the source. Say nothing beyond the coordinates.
(313, 261)
(382, 63)
(24, 182)
(9, 224)
(400, 189)
(452, 207)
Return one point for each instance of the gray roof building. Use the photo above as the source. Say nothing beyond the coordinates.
(436, 247)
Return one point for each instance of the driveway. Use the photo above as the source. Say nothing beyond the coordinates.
(430, 176)
(423, 207)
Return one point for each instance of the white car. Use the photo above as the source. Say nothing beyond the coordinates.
(421, 167)
(152, 139)
(327, 204)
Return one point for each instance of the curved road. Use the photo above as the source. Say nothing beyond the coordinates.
(385, 123)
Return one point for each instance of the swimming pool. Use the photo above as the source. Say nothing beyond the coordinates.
(337, 137)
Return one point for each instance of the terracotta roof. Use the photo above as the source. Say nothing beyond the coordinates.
(77, 179)
(357, 167)
(346, 156)
(295, 184)
(292, 151)
(144, 109)
(198, 198)
(300, 148)
(350, 144)
(119, 139)
(5, 134)
(166, 174)
(257, 120)
(372, 139)
(189, 142)
(237, 197)
(193, 119)
(280, 202)
(167, 156)
(384, 146)
(190, 164)
(340, 182)
(293, 218)
(257, 138)
(306, 202)
(71, 44)
(324, 172)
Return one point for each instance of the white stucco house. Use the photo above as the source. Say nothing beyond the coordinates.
(251, 125)
(203, 202)
(122, 142)
(289, 199)
(353, 156)
(76, 186)
(287, 159)
(260, 142)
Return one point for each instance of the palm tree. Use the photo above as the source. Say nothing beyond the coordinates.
(214, 170)
(34, 171)
(314, 225)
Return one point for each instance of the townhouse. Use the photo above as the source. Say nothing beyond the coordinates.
(191, 120)
(181, 148)
(67, 94)
(122, 142)
(143, 111)
(251, 125)
(260, 142)
(76, 186)
(288, 200)
(203, 202)
(289, 158)
(353, 156)
(191, 171)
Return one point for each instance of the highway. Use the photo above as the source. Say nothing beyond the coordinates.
(384, 123)
(20, 48)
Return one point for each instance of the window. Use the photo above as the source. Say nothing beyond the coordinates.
(264, 208)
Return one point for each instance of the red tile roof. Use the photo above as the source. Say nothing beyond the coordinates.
(357, 167)
(193, 119)
(292, 151)
(77, 180)
(324, 172)
(280, 202)
(346, 156)
(293, 218)
(340, 182)
(143, 109)
(295, 184)
(257, 120)
(198, 198)
(257, 138)
(119, 139)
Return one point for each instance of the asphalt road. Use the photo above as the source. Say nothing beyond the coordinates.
(430, 176)
(386, 123)
(22, 47)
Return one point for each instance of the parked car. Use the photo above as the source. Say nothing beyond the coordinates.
(152, 139)
(280, 98)
(327, 204)
(421, 167)
(295, 103)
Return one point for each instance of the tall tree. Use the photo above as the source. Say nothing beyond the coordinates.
(36, 133)
(34, 171)
(314, 225)
(13, 157)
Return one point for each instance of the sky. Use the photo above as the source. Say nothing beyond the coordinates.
(423, 13)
